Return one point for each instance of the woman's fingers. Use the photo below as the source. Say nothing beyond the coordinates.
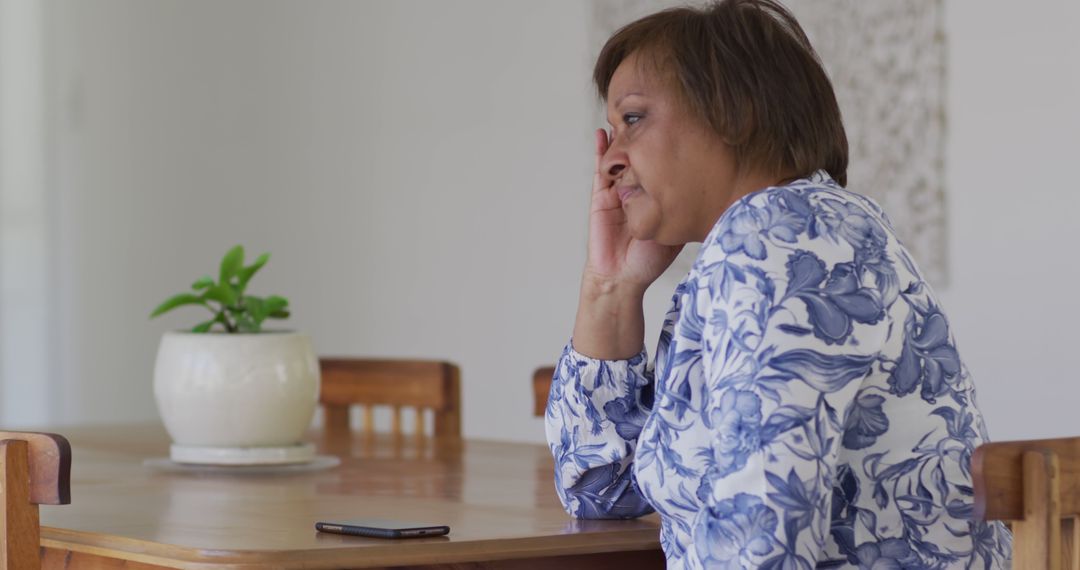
(600, 138)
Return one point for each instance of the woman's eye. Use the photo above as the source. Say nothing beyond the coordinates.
(631, 118)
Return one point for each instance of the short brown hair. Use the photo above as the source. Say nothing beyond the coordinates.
(747, 68)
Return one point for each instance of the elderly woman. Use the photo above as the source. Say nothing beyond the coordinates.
(807, 405)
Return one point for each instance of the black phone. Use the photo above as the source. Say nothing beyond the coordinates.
(381, 528)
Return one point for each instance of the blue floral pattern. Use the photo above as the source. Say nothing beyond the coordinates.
(807, 406)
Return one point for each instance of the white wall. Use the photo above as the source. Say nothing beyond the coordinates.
(26, 226)
(419, 171)
(1014, 196)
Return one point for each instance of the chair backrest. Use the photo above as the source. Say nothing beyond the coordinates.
(35, 469)
(541, 388)
(420, 384)
(1036, 486)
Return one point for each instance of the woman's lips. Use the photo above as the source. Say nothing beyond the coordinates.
(626, 192)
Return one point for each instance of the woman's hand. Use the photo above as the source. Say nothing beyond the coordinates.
(610, 322)
(615, 259)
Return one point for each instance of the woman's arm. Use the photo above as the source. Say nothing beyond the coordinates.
(593, 420)
(610, 324)
(594, 412)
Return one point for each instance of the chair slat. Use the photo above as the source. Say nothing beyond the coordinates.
(35, 468)
(336, 418)
(542, 378)
(50, 466)
(414, 384)
(1070, 541)
(1033, 484)
(369, 419)
(997, 470)
(1037, 536)
(419, 384)
(20, 531)
(418, 422)
(448, 418)
(395, 424)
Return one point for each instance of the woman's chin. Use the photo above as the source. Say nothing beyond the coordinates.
(640, 231)
(653, 233)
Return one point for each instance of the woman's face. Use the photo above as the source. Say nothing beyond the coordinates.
(674, 175)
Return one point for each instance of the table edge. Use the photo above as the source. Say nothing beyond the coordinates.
(374, 556)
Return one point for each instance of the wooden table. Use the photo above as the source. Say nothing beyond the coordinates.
(497, 498)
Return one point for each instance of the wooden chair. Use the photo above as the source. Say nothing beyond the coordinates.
(420, 384)
(541, 388)
(1036, 486)
(35, 469)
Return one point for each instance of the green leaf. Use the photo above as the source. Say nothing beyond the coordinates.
(203, 326)
(275, 303)
(177, 301)
(245, 274)
(203, 283)
(231, 263)
(256, 308)
(237, 312)
(222, 293)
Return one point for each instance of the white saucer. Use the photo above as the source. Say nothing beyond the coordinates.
(167, 465)
(298, 453)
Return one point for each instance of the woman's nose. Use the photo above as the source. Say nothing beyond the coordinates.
(613, 164)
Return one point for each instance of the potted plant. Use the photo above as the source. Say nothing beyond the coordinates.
(228, 391)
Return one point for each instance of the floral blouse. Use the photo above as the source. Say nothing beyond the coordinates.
(807, 406)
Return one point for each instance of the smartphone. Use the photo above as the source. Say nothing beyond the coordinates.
(381, 528)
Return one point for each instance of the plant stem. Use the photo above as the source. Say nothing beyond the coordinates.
(222, 317)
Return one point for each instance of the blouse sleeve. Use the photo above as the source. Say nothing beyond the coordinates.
(785, 343)
(593, 419)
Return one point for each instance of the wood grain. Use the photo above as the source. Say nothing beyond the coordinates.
(648, 560)
(498, 499)
(997, 468)
(35, 468)
(419, 384)
(53, 559)
(49, 456)
(1037, 536)
(1070, 540)
(1033, 484)
(19, 518)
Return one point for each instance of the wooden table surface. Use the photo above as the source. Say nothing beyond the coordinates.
(497, 498)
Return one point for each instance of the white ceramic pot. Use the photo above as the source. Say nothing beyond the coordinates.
(236, 390)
